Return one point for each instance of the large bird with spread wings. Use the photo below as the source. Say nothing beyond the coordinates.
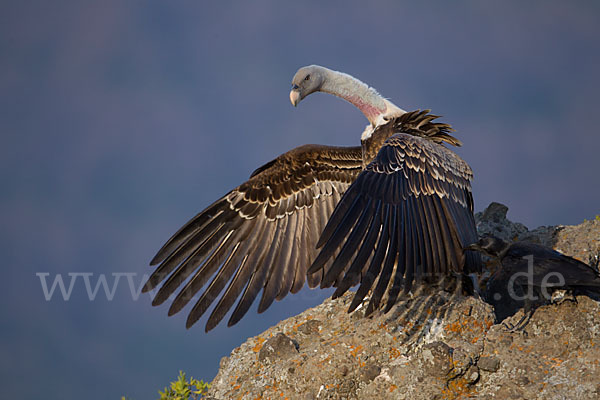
(394, 210)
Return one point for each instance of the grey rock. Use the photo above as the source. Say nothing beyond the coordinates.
(493, 221)
(490, 364)
(437, 359)
(461, 362)
(278, 347)
(310, 327)
(472, 374)
(431, 345)
(370, 372)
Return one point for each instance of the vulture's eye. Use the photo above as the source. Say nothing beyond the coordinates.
(307, 78)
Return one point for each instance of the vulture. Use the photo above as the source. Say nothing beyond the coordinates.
(528, 274)
(394, 210)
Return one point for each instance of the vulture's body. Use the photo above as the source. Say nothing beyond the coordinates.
(403, 212)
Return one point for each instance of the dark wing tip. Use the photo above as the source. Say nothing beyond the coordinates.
(158, 300)
(157, 258)
(212, 323)
(191, 320)
(147, 287)
(175, 308)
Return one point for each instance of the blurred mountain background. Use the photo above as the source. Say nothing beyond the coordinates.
(121, 120)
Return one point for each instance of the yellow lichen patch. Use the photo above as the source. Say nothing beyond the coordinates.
(556, 361)
(258, 346)
(455, 327)
(488, 323)
(382, 325)
(355, 350)
(457, 389)
(296, 326)
(469, 325)
(297, 361)
(326, 359)
(394, 353)
(233, 380)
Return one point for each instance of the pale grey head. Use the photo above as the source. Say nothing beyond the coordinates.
(306, 81)
(315, 78)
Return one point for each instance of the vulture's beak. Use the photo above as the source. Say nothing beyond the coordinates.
(295, 95)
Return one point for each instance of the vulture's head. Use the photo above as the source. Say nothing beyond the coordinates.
(306, 81)
(489, 245)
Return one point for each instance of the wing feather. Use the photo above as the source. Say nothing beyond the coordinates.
(388, 264)
(261, 236)
(353, 275)
(376, 262)
(427, 219)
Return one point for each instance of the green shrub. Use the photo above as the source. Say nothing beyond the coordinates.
(181, 389)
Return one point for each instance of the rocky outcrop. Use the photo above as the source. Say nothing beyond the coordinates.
(433, 345)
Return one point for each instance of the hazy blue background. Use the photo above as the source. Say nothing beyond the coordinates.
(120, 120)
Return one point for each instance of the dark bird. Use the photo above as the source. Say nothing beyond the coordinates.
(410, 208)
(528, 274)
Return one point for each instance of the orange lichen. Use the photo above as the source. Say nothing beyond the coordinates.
(457, 389)
(323, 361)
(355, 350)
(382, 325)
(394, 353)
(488, 323)
(469, 325)
(258, 346)
(455, 327)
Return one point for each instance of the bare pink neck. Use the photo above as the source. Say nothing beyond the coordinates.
(368, 109)
(366, 99)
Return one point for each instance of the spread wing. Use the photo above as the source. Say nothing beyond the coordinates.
(406, 217)
(261, 235)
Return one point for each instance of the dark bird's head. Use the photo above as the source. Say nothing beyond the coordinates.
(490, 246)
(306, 81)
